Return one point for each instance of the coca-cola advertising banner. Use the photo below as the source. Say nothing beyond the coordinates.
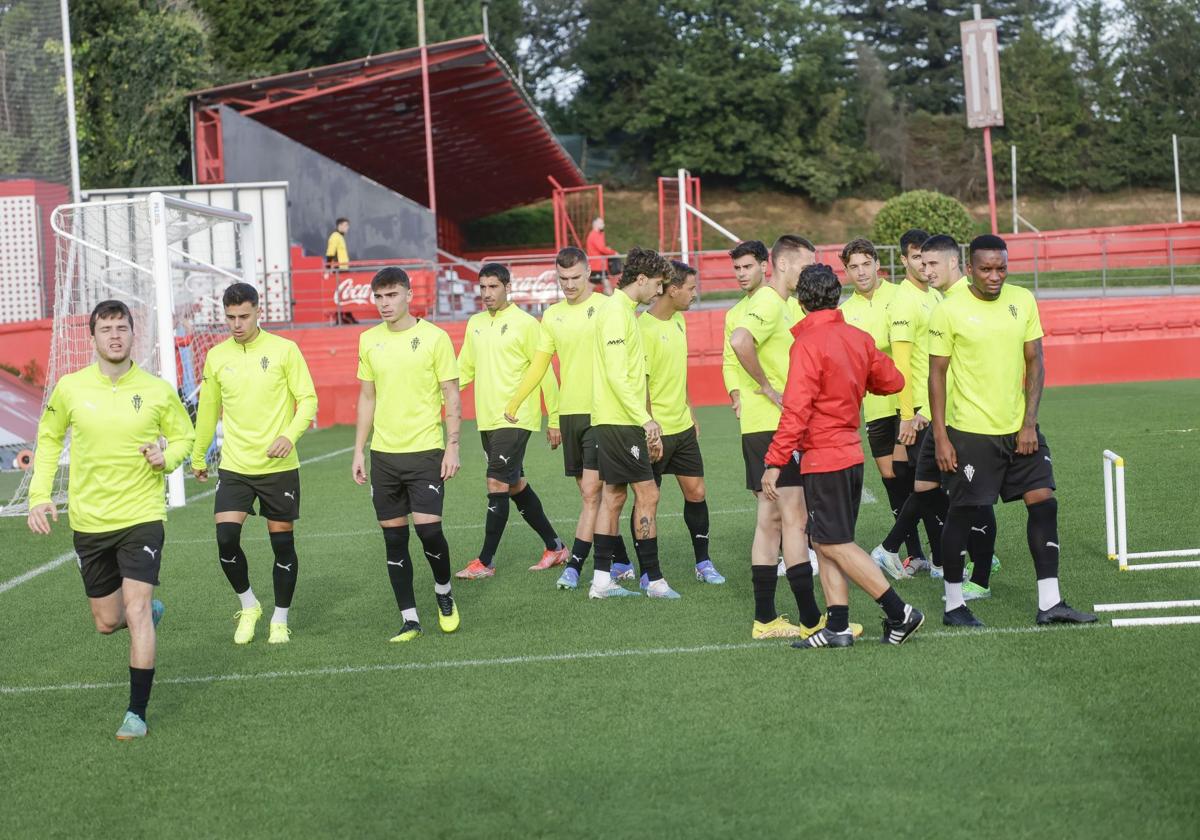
(331, 296)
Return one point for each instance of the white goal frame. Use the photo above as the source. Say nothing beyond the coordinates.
(1116, 526)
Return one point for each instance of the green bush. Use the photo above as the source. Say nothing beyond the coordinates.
(520, 226)
(930, 211)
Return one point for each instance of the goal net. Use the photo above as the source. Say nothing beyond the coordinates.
(169, 260)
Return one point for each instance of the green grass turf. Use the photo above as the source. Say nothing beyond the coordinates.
(1012, 733)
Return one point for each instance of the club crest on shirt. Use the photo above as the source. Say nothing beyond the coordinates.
(415, 343)
(137, 402)
(264, 363)
(591, 310)
(1012, 310)
(503, 329)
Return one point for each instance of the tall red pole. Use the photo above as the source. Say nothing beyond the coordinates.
(991, 176)
(428, 116)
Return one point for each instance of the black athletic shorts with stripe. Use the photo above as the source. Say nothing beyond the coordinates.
(754, 453)
(624, 456)
(681, 455)
(505, 451)
(406, 482)
(578, 444)
(989, 467)
(278, 494)
(833, 499)
(110, 556)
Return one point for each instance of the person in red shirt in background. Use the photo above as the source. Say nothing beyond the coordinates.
(598, 253)
(832, 366)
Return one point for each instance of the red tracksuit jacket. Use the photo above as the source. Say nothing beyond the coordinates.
(832, 365)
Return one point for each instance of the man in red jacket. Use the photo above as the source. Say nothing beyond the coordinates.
(832, 366)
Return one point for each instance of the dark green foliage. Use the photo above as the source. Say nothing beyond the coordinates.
(520, 226)
(931, 211)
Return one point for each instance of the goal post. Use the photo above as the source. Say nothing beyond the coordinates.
(170, 261)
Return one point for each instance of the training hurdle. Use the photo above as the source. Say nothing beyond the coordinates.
(1116, 526)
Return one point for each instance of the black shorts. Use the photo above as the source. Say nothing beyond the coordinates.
(754, 453)
(681, 455)
(833, 499)
(406, 482)
(881, 435)
(925, 468)
(278, 494)
(108, 557)
(989, 466)
(505, 451)
(578, 444)
(624, 457)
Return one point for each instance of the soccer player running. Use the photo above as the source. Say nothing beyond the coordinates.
(990, 339)
(119, 416)
(833, 365)
(260, 386)
(498, 349)
(628, 439)
(664, 337)
(942, 275)
(761, 340)
(407, 372)
(568, 330)
(869, 309)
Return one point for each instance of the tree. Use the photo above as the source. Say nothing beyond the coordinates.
(135, 62)
(33, 109)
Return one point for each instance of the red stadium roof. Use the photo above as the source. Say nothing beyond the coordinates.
(492, 150)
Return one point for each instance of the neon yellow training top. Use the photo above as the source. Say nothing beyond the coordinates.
(496, 352)
(263, 391)
(666, 347)
(873, 317)
(618, 365)
(569, 330)
(111, 486)
(408, 369)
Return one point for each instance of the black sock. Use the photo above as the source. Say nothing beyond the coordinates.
(233, 559)
(437, 550)
(399, 566)
(579, 554)
(764, 578)
(893, 604)
(286, 568)
(955, 535)
(530, 507)
(605, 551)
(800, 579)
(647, 555)
(1041, 530)
(934, 504)
(981, 544)
(493, 526)
(695, 518)
(906, 521)
(140, 682)
(839, 618)
(899, 490)
(620, 555)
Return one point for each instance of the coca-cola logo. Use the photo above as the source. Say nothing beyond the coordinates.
(351, 292)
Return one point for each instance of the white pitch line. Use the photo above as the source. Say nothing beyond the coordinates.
(531, 659)
(1146, 605)
(39, 570)
(1160, 619)
(63, 559)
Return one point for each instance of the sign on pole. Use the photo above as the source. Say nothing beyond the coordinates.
(981, 73)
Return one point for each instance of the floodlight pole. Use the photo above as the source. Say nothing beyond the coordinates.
(1178, 194)
(1016, 217)
(425, 101)
(69, 77)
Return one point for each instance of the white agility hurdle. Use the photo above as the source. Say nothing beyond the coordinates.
(1116, 527)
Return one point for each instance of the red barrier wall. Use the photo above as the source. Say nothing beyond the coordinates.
(1088, 341)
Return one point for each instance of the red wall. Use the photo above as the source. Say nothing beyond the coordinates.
(1088, 341)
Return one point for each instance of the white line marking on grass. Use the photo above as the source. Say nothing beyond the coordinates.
(40, 570)
(531, 659)
(1145, 605)
(63, 559)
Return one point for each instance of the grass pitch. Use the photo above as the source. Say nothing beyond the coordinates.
(548, 715)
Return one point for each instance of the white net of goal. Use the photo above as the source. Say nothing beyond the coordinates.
(128, 250)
